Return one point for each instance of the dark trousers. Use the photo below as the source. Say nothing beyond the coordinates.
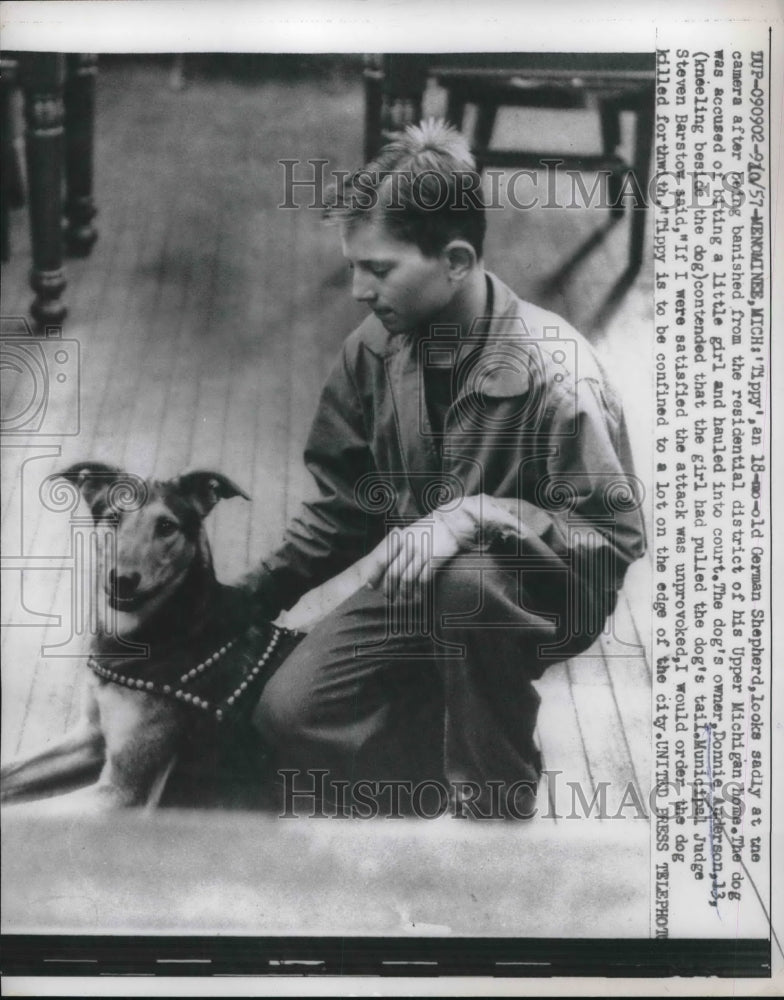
(380, 693)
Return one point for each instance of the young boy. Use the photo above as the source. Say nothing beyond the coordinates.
(470, 444)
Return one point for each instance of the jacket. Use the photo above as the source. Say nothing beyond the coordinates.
(534, 424)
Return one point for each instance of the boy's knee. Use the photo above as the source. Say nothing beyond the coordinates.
(283, 710)
(458, 583)
(475, 586)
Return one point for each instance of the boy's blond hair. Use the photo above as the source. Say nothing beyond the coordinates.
(424, 184)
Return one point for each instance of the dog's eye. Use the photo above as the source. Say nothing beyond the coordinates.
(166, 527)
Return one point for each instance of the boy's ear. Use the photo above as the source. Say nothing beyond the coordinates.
(461, 257)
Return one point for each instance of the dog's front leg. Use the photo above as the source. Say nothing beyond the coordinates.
(143, 735)
(78, 756)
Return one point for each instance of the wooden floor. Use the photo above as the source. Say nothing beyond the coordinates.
(206, 320)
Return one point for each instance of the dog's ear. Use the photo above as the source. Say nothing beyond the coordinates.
(92, 478)
(205, 489)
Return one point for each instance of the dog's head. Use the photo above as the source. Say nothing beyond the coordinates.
(158, 527)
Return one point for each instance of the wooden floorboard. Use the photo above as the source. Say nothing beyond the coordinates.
(208, 319)
(561, 740)
(269, 389)
(629, 677)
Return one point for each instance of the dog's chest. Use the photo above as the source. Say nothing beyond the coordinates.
(129, 717)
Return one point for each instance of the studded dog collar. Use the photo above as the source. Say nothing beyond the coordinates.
(220, 684)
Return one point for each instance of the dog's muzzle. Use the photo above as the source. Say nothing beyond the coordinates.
(124, 594)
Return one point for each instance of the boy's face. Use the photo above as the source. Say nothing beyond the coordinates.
(404, 288)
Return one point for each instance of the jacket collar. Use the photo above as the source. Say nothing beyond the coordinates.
(506, 305)
(519, 339)
(498, 374)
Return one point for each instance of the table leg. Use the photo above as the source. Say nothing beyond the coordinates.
(405, 78)
(455, 110)
(643, 149)
(374, 101)
(41, 75)
(11, 184)
(486, 113)
(80, 234)
(609, 117)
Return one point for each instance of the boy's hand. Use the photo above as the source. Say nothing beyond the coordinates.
(403, 563)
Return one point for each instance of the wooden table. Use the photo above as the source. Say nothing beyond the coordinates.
(608, 82)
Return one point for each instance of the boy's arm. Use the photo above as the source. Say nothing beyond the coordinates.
(589, 496)
(586, 522)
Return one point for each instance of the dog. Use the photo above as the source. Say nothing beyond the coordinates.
(176, 663)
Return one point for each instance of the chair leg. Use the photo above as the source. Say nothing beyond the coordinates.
(643, 148)
(405, 78)
(80, 208)
(455, 110)
(483, 131)
(41, 74)
(11, 190)
(609, 118)
(374, 100)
